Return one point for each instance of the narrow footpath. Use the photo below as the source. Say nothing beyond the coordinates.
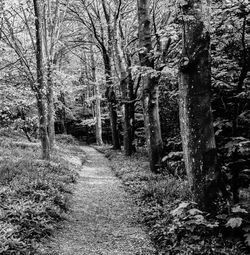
(103, 218)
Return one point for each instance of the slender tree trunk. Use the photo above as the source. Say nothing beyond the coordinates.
(128, 119)
(40, 85)
(113, 119)
(125, 85)
(129, 115)
(98, 116)
(111, 97)
(63, 113)
(195, 109)
(113, 116)
(132, 94)
(98, 125)
(110, 91)
(51, 110)
(150, 89)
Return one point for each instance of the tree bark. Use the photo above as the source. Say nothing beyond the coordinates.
(51, 110)
(150, 89)
(195, 109)
(40, 85)
(111, 97)
(128, 119)
(98, 124)
(110, 91)
(126, 85)
(62, 112)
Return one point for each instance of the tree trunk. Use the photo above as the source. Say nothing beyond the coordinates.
(132, 95)
(156, 144)
(40, 85)
(110, 90)
(128, 118)
(125, 85)
(113, 122)
(195, 109)
(51, 110)
(111, 97)
(62, 113)
(150, 89)
(98, 125)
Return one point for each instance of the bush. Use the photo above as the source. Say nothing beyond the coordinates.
(67, 139)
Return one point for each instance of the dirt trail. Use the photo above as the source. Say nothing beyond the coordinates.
(103, 217)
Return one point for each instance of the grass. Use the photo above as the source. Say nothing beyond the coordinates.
(166, 209)
(34, 194)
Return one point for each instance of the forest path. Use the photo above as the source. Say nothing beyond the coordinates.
(103, 217)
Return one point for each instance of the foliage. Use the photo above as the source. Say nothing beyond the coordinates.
(66, 139)
(174, 223)
(158, 195)
(33, 195)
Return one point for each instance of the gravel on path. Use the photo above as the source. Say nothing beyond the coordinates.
(103, 217)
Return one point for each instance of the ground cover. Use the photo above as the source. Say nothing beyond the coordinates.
(34, 194)
(174, 223)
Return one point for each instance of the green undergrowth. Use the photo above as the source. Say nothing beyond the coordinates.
(174, 223)
(34, 194)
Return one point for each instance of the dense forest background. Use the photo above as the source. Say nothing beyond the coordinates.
(170, 77)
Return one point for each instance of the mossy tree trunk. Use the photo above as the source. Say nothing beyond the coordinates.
(150, 88)
(195, 109)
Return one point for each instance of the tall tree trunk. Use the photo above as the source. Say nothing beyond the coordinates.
(125, 85)
(40, 85)
(51, 110)
(111, 97)
(110, 91)
(195, 109)
(150, 89)
(132, 95)
(98, 124)
(129, 114)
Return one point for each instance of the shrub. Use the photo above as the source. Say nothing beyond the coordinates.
(67, 139)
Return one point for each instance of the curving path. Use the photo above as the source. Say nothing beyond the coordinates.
(103, 217)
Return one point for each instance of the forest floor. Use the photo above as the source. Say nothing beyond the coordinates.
(103, 217)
